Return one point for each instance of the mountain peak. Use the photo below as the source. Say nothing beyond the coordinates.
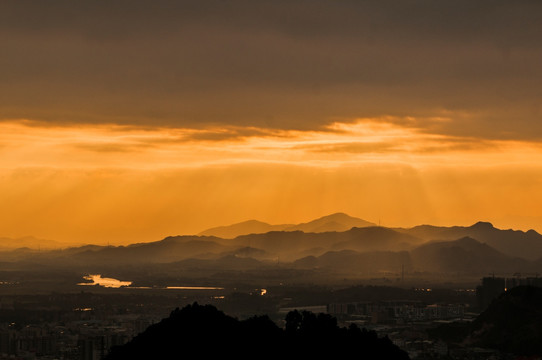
(483, 225)
(337, 215)
(251, 222)
(333, 222)
(242, 228)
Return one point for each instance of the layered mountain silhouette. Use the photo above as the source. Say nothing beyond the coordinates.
(291, 244)
(243, 228)
(465, 255)
(357, 252)
(527, 245)
(333, 222)
(350, 262)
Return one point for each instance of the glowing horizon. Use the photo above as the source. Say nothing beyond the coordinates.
(118, 184)
(187, 115)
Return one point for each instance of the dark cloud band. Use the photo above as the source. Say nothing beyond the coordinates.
(281, 64)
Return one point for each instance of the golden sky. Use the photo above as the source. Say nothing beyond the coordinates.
(124, 184)
(129, 121)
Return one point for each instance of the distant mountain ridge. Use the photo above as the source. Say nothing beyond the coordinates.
(243, 228)
(30, 242)
(464, 256)
(360, 251)
(525, 244)
(333, 222)
(356, 252)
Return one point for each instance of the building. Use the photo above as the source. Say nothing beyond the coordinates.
(491, 288)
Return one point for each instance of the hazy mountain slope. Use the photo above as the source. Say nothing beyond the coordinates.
(248, 252)
(511, 242)
(47, 256)
(168, 250)
(283, 246)
(290, 245)
(360, 264)
(333, 222)
(286, 245)
(30, 242)
(374, 238)
(358, 251)
(243, 228)
(459, 257)
(465, 256)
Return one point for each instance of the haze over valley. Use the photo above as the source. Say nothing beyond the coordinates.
(326, 250)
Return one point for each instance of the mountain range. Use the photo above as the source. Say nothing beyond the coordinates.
(333, 222)
(30, 242)
(512, 242)
(516, 243)
(335, 245)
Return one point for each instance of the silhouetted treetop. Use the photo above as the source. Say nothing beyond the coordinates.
(204, 331)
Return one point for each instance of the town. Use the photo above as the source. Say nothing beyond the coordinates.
(87, 324)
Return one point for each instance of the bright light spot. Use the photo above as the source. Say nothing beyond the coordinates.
(105, 282)
(193, 288)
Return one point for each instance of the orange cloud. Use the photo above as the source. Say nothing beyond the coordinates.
(99, 183)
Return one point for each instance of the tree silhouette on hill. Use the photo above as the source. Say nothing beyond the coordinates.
(512, 323)
(204, 331)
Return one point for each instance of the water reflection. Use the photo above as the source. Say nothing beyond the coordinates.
(193, 288)
(97, 279)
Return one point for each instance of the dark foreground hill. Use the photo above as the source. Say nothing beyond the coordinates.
(205, 332)
(512, 324)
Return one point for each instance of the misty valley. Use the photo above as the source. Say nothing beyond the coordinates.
(330, 250)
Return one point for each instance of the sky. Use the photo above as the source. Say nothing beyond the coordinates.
(129, 121)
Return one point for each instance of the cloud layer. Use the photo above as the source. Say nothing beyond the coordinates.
(280, 64)
(131, 120)
(117, 183)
